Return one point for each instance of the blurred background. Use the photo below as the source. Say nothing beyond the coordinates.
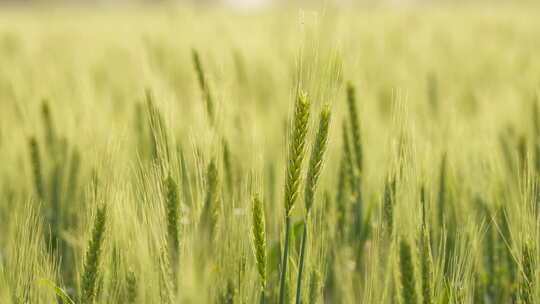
(256, 4)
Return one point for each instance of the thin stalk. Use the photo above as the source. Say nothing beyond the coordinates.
(301, 269)
(284, 260)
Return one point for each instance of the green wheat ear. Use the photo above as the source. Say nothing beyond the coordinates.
(259, 242)
(92, 260)
(522, 149)
(297, 143)
(172, 206)
(35, 161)
(389, 201)
(203, 83)
(227, 167)
(48, 125)
(314, 171)
(316, 159)
(355, 127)
(296, 151)
(357, 167)
(210, 211)
(408, 282)
(347, 183)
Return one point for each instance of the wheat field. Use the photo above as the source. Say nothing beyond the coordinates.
(315, 154)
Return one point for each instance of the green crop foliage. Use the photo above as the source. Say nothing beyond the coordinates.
(308, 152)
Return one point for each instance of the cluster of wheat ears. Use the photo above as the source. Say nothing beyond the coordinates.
(203, 195)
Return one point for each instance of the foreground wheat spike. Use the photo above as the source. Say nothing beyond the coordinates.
(314, 171)
(356, 218)
(389, 201)
(355, 127)
(294, 166)
(407, 273)
(348, 186)
(227, 167)
(55, 199)
(207, 96)
(172, 206)
(296, 151)
(259, 242)
(48, 126)
(316, 158)
(211, 210)
(92, 260)
(35, 161)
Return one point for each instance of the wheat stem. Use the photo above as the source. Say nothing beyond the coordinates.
(301, 266)
(284, 261)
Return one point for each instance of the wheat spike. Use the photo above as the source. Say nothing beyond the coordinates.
(93, 255)
(259, 241)
(294, 167)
